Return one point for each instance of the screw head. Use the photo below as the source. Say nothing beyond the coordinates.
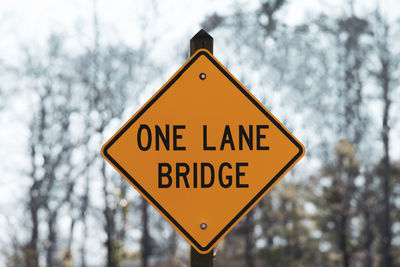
(203, 226)
(202, 76)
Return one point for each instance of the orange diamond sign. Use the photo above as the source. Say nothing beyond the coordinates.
(203, 151)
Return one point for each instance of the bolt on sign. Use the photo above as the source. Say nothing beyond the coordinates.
(203, 151)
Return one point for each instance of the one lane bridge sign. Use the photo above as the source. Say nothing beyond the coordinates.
(203, 151)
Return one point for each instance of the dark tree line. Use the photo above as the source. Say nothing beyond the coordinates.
(337, 71)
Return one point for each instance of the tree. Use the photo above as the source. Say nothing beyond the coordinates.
(50, 149)
(338, 196)
(337, 96)
(385, 80)
(107, 76)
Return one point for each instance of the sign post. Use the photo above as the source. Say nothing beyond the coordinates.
(202, 40)
(203, 150)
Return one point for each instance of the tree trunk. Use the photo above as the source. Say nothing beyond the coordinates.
(67, 259)
(368, 224)
(172, 247)
(145, 241)
(248, 232)
(31, 250)
(109, 216)
(83, 215)
(343, 241)
(386, 222)
(124, 211)
(110, 244)
(83, 245)
(51, 240)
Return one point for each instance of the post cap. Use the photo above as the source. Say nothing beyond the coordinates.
(201, 40)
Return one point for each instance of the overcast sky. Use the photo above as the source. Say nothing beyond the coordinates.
(29, 22)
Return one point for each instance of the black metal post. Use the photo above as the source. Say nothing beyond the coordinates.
(202, 40)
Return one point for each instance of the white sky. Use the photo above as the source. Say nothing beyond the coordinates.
(29, 22)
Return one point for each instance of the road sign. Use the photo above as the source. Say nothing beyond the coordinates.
(203, 151)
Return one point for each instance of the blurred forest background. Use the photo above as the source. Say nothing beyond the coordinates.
(329, 71)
